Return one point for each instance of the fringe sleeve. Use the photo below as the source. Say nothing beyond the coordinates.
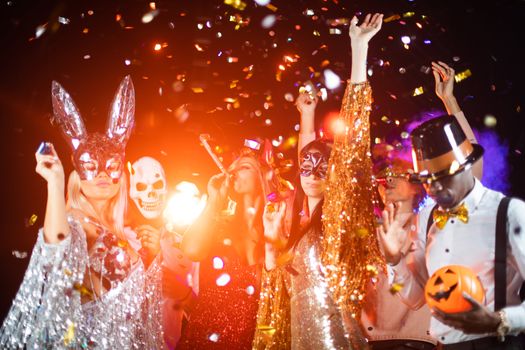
(151, 335)
(47, 306)
(350, 251)
(273, 317)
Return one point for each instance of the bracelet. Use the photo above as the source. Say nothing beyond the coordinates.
(503, 326)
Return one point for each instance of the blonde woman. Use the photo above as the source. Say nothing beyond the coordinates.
(85, 287)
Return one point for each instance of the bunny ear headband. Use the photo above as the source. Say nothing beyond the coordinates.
(95, 153)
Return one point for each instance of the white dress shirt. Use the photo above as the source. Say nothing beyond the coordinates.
(470, 244)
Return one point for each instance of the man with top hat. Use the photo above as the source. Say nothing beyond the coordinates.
(471, 226)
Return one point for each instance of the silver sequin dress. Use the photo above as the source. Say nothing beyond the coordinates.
(47, 312)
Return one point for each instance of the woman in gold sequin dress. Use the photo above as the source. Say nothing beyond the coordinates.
(315, 276)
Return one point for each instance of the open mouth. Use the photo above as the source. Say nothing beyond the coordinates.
(150, 206)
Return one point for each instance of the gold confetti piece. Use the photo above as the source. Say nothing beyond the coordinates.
(84, 291)
(418, 91)
(32, 220)
(122, 243)
(237, 4)
(267, 332)
(395, 288)
(372, 268)
(391, 18)
(69, 337)
(408, 14)
(362, 232)
(462, 75)
(271, 7)
(197, 90)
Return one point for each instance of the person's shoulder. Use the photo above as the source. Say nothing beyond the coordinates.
(517, 207)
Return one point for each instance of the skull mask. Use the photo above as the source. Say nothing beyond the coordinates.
(148, 187)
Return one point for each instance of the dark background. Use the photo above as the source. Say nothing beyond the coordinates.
(485, 37)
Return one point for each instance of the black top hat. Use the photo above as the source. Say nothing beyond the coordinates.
(440, 148)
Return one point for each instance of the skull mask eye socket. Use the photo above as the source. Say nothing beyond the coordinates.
(141, 186)
(158, 185)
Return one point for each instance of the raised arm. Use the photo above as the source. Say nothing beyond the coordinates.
(348, 206)
(199, 238)
(306, 106)
(444, 77)
(48, 166)
(360, 36)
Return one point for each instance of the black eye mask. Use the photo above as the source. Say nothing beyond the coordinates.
(314, 163)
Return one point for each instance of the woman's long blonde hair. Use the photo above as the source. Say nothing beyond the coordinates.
(113, 217)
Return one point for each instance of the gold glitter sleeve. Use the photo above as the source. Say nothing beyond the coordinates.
(350, 251)
(273, 316)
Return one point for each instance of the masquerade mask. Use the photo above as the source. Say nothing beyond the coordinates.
(314, 163)
(96, 153)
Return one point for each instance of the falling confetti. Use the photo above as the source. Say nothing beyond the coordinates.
(19, 255)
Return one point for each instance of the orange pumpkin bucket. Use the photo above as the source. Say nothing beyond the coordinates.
(445, 287)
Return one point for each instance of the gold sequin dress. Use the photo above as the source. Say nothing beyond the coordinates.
(313, 302)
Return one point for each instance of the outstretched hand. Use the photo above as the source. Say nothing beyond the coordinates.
(392, 234)
(366, 30)
(306, 103)
(444, 77)
(478, 320)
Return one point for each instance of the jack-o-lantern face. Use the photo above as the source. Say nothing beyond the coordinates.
(444, 289)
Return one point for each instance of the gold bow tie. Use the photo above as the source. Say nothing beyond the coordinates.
(441, 216)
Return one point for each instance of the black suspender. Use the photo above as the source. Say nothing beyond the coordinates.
(431, 220)
(500, 260)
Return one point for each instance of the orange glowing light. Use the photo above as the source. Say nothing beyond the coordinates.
(157, 47)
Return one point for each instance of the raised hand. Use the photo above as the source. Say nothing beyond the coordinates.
(392, 234)
(366, 30)
(273, 218)
(49, 166)
(306, 104)
(444, 77)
